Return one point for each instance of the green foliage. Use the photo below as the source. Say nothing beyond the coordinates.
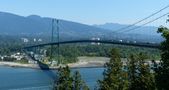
(78, 82)
(70, 52)
(67, 54)
(9, 59)
(140, 77)
(145, 77)
(114, 78)
(22, 61)
(132, 73)
(67, 81)
(9, 44)
(162, 72)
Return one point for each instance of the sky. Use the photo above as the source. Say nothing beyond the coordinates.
(89, 11)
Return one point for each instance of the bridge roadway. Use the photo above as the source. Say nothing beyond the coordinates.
(137, 44)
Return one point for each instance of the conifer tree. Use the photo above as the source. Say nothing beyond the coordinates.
(145, 77)
(140, 77)
(64, 80)
(79, 84)
(113, 74)
(67, 81)
(132, 72)
(162, 72)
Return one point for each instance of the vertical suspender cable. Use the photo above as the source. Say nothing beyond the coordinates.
(51, 49)
(58, 37)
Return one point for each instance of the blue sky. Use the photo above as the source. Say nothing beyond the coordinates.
(88, 11)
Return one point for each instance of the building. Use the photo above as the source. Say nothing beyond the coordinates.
(25, 40)
(17, 56)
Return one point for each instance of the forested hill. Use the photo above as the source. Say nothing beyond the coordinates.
(11, 24)
(14, 24)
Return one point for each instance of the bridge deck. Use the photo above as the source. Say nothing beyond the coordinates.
(148, 45)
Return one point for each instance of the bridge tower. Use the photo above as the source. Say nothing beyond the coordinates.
(58, 40)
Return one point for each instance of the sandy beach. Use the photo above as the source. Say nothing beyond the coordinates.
(13, 64)
(82, 63)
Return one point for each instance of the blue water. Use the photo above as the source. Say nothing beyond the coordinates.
(34, 79)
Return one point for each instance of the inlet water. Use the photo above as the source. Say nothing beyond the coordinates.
(34, 79)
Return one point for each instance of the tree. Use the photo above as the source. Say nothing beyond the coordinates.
(113, 75)
(79, 84)
(145, 77)
(162, 72)
(67, 81)
(64, 80)
(140, 77)
(132, 72)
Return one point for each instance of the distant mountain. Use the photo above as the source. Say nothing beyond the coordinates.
(146, 30)
(33, 25)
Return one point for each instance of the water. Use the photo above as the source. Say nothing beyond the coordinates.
(34, 79)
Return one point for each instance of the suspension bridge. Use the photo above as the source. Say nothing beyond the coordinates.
(138, 44)
(103, 41)
(58, 43)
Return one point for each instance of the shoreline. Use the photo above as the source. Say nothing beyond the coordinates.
(36, 66)
(84, 62)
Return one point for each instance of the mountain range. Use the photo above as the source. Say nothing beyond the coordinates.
(34, 25)
(146, 30)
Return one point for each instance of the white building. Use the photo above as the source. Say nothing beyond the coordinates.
(17, 56)
(39, 40)
(34, 39)
(25, 40)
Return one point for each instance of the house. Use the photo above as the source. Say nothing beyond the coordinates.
(17, 56)
(25, 40)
